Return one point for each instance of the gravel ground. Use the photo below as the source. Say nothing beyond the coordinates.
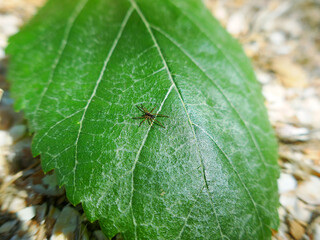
(283, 40)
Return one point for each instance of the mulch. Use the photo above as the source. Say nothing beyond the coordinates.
(282, 38)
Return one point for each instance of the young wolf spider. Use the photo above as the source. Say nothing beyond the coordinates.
(149, 116)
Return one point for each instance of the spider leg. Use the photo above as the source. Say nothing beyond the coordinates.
(158, 123)
(144, 109)
(153, 109)
(140, 108)
(150, 121)
(161, 115)
(142, 122)
(149, 116)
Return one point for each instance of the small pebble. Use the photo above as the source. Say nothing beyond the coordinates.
(292, 26)
(291, 133)
(277, 37)
(301, 212)
(308, 110)
(99, 235)
(26, 214)
(6, 227)
(41, 212)
(309, 191)
(5, 138)
(9, 24)
(19, 155)
(263, 77)
(53, 213)
(12, 204)
(6, 100)
(237, 24)
(2, 55)
(286, 183)
(6, 118)
(274, 93)
(49, 186)
(316, 232)
(17, 132)
(288, 200)
(66, 225)
(315, 229)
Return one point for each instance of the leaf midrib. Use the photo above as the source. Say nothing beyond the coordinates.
(183, 104)
(219, 88)
(231, 105)
(148, 26)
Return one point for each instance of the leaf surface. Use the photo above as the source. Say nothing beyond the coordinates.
(78, 70)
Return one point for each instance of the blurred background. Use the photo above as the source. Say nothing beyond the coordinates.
(282, 38)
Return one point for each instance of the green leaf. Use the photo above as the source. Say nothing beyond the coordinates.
(79, 69)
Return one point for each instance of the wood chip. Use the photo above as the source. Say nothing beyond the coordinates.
(1, 94)
(296, 229)
(290, 74)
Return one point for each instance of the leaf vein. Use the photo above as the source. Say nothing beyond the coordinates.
(227, 99)
(63, 45)
(123, 24)
(181, 99)
(56, 124)
(138, 155)
(217, 86)
(235, 171)
(189, 214)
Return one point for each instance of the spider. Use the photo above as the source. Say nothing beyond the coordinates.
(149, 116)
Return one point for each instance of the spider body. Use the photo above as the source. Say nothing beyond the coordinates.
(149, 116)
